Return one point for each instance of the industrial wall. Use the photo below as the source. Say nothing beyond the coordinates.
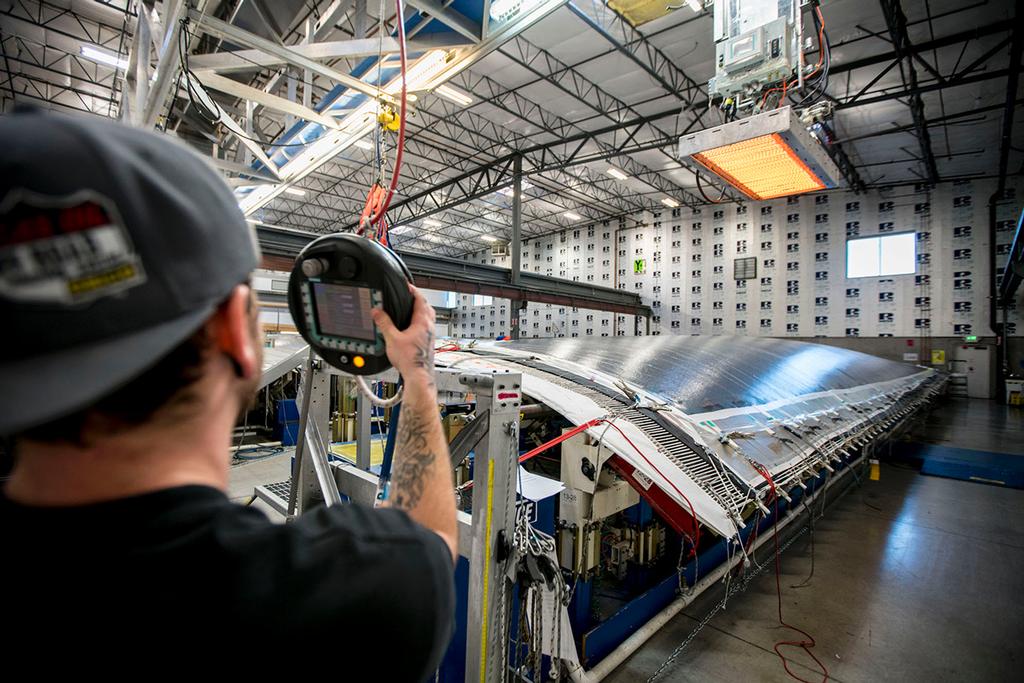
(682, 263)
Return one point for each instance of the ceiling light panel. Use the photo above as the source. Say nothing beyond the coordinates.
(95, 54)
(456, 96)
(508, 191)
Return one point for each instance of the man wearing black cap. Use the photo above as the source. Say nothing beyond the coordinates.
(132, 345)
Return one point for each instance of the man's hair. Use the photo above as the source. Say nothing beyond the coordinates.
(168, 382)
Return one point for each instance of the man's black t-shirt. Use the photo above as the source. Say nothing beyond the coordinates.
(184, 570)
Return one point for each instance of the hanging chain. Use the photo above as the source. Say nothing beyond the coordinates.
(732, 589)
(510, 483)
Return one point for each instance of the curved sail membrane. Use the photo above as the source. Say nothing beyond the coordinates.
(700, 374)
(701, 410)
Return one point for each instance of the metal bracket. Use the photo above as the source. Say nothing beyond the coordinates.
(468, 439)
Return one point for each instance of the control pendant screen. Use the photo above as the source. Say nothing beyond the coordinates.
(343, 311)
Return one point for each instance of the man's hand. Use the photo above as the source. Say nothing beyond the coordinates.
(411, 350)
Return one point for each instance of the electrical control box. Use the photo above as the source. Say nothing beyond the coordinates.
(756, 44)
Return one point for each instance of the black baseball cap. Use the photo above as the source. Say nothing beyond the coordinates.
(116, 244)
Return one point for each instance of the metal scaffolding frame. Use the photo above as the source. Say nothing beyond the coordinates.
(320, 480)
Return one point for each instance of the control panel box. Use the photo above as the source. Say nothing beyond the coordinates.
(753, 59)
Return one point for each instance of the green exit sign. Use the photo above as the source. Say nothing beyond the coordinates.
(971, 338)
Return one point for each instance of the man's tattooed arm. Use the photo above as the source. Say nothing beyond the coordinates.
(421, 481)
(415, 458)
(422, 474)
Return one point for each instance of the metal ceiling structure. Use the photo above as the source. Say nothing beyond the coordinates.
(563, 91)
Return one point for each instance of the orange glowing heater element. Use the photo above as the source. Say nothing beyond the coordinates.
(764, 156)
(764, 167)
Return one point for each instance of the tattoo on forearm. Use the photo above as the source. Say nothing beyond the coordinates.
(425, 352)
(413, 459)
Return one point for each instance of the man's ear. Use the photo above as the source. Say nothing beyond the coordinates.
(234, 332)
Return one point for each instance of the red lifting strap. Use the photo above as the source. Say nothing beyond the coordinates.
(559, 439)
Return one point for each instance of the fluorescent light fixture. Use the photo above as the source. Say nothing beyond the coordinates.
(765, 156)
(616, 173)
(295, 191)
(670, 203)
(358, 124)
(507, 191)
(420, 74)
(572, 216)
(363, 144)
(431, 222)
(695, 5)
(454, 95)
(489, 238)
(95, 54)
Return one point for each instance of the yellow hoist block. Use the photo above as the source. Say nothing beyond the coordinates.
(389, 119)
(876, 470)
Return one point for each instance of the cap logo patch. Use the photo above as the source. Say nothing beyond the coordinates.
(64, 250)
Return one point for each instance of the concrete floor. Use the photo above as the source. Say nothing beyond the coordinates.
(244, 477)
(975, 423)
(916, 578)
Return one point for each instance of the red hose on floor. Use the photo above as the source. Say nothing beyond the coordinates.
(804, 645)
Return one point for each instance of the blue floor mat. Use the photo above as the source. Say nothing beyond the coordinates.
(1000, 469)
